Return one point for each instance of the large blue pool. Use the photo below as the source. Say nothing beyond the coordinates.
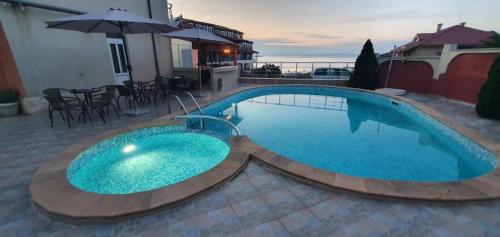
(356, 133)
(146, 159)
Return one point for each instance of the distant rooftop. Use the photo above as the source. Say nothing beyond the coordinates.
(457, 34)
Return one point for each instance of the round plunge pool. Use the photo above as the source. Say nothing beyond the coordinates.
(146, 159)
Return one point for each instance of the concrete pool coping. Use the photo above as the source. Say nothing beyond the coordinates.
(54, 195)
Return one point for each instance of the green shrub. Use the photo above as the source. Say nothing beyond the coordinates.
(488, 105)
(9, 96)
(365, 75)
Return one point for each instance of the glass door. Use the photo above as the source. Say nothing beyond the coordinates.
(118, 60)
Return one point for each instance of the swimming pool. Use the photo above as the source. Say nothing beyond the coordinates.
(353, 132)
(146, 159)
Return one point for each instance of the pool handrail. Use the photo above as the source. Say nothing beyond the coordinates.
(195, 102)
(234, 127)
(182, 105)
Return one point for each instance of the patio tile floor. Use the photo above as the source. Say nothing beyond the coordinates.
(258, 202)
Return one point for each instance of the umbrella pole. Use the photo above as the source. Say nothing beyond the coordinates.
(136, 112)
(199, 67)
(129, 67)
(199, 92)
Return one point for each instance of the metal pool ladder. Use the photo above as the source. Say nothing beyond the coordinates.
(195, 102)
(202, 115)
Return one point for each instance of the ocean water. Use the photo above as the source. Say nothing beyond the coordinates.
(359, 134)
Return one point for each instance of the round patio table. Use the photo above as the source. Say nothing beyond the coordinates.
(87, 96)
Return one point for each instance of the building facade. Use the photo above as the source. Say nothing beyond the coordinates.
(182, 50)
(431, 44)
(50, 58)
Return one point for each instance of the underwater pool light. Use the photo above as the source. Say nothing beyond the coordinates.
(129, 148)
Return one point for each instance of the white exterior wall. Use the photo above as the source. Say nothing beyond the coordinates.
(426, 52)
(48, 58)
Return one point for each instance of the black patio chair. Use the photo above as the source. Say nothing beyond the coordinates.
(64, 101)
(132, 91)
(105, 99)
(166, 88)
(125, 93)
(153, 90)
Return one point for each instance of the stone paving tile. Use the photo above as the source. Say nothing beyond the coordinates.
(176, 214)
(26, 142)
(123, 228)
(304, 223)
(272, 229)
(253, 212)
(97, 231)
(239, 190)
(189, 227)
(282, 202)
(210, 201)
(310, 195)
(253, 169)
(220, 222)
(270, 182)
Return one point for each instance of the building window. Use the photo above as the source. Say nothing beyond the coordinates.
(114, 57)
(123, 61)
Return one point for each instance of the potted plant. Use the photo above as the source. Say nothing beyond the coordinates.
(9, 102)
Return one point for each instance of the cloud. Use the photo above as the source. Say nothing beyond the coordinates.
(318, 36)
(398, 15)
(275, 41)
(352, 47)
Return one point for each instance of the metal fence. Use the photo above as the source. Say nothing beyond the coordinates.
(302, 70)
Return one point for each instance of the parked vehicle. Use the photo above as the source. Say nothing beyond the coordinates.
(331, 74)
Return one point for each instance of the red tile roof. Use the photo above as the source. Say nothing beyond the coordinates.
(424, 36)
(457, 34)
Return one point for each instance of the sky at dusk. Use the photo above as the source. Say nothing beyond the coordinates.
(296, 27)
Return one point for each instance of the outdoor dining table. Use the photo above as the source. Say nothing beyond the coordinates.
(87, 96)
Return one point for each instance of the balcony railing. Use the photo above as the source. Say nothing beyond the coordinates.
(300, 70)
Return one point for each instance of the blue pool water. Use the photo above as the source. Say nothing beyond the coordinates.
(355, 133)
(145, 159)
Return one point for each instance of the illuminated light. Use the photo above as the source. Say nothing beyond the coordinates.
(227, 51)
(129, 148)
(233, 104)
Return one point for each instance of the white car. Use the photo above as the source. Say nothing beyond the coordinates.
(331, 74)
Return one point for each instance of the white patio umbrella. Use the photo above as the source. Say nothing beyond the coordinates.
(113, 21)
(198, 36)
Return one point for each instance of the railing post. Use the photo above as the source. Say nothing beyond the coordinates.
(312, 69)
(265, 66)
(296, 69)
(281, 70)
